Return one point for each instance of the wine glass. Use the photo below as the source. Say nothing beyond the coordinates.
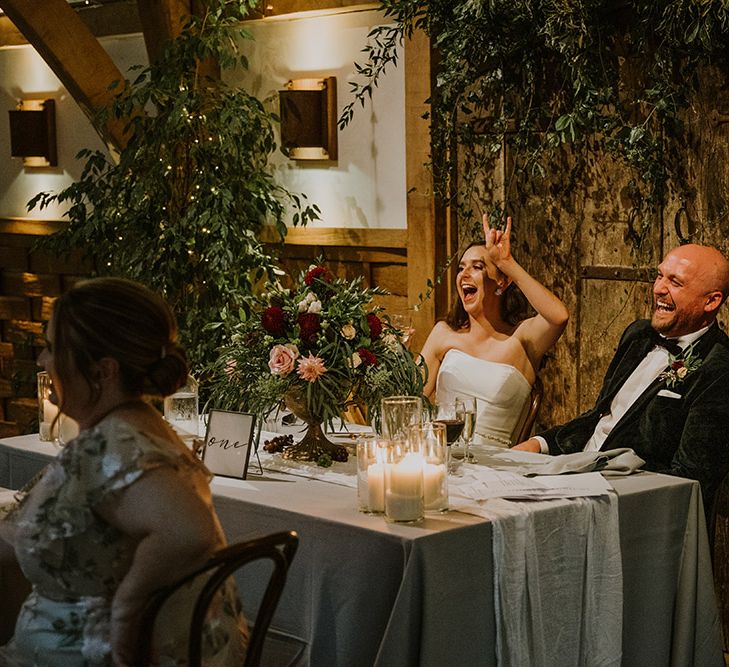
(466, 411)
(448, 414)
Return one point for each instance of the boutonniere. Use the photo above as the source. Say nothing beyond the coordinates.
(680, 367)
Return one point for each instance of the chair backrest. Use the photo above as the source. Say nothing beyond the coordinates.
(279, 548)
(524, 426)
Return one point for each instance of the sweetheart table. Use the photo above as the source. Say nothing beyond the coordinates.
(364, 592)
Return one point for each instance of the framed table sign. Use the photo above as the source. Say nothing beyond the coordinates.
(228, 443)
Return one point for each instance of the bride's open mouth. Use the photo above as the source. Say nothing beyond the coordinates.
(469, 292)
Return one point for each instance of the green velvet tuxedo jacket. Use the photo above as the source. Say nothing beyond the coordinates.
(684, 434)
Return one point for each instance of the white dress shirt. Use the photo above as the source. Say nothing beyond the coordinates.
(654, 363)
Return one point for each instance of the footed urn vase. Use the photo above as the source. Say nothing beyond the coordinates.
(314, 443)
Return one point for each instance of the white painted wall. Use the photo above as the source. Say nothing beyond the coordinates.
(365, 188)
(24, 75)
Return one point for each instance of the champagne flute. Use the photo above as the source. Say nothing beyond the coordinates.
(466, 411)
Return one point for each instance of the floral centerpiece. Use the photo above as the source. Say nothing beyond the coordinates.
(317, 348)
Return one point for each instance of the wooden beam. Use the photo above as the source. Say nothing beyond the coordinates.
(30, 226)
(72, 52)
(339, 236)
(283, 8)
(118, 18)
(425, 242)
(162, 21)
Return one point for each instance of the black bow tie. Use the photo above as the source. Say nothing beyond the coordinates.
(671, 344)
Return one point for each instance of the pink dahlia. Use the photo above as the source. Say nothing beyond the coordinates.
(310, 368)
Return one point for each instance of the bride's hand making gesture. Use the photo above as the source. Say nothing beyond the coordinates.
(498, 242)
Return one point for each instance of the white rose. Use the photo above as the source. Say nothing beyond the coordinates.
(391, 340)
(310, 297)
(682, 372)
(315, 307)
(303, 306)
(356, 359)
(348, 331)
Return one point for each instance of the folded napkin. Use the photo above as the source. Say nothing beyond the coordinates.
(614, 462)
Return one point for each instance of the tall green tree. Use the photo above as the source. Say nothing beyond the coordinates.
(182, 207)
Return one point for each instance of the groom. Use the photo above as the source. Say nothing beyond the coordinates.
(666, 391)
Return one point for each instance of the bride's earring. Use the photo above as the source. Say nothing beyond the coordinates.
(498, 291)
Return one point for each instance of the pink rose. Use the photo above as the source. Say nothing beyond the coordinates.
(311, 367)
(281, 359)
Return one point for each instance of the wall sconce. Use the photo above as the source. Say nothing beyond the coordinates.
(308, 119)
(33, 133)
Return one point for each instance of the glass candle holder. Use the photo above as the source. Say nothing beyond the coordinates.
(404, 482)
(371, 460)
(434, 447)
(399, 415)
(47, 411)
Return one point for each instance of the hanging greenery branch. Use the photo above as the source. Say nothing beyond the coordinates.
(536, 76)
(184, 207)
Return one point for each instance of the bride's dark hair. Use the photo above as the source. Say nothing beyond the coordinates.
(513, 304)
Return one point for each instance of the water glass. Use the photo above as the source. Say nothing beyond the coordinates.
(52, 425)
(404, 482)
(434, 447)
(399, 415)
(47, 411)
(371, 459)
(181, 409)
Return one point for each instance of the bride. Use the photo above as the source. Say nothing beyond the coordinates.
(485, 348)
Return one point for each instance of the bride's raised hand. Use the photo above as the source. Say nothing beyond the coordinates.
(498, 242)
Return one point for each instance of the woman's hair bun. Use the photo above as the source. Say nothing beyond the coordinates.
(169, 372)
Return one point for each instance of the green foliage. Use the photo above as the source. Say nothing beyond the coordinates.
(183, 208)
(537, 75)
(325, 319)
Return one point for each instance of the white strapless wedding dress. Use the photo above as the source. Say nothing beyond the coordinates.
(500, 390)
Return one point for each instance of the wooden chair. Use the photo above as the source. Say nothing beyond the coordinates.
(279, 548)
(524, 426)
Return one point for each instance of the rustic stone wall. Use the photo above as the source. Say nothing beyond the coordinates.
(30, 280)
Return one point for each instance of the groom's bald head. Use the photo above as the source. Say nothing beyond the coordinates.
(692, 282)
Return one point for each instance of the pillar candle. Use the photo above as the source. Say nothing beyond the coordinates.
(435, 496)
(404, 489)
(376, 487)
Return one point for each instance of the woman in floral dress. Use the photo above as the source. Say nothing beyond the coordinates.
(125, 508)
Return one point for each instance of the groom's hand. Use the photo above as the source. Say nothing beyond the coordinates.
(531, 445)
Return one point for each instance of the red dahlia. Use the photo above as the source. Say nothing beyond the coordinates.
(273, 320)
(320, 272)
(310, 327)
(368, 359)
(375, 325)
